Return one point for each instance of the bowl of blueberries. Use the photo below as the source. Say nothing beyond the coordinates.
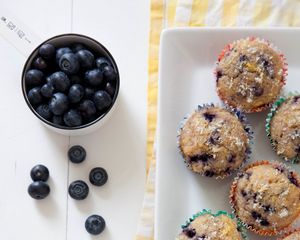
(71, 83)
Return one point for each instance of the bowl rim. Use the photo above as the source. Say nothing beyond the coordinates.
(32, 55)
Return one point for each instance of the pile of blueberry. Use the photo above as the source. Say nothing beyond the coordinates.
(78, 189)
(70, 86)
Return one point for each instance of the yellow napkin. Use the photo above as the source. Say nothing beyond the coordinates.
(170, 13)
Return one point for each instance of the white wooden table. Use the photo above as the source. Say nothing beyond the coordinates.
(122, 26)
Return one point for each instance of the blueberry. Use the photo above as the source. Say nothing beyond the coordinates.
(109, 74)
(110, 89)
(47, 51)
(87, 108)
(58, 120)
(34, 96)
(86, 58)
(49, 80)
(72, 118)
(102, 100)
(94, 77)
(95, 224)
(78, 190)
(40, 63)
(77, 47)
(89, 93)
(258, 91)
(75, 79)
(77, 154)
(60, 81)
(47, 90)
(293, 179)
(209, 117)
(34, 77)
(264, 222)
(44, 111)
(69, 63)
(38, 190)
(209, 173)
(219, 74)
(244, 193)
(243, 58)
(60, 52)
(59, 103)
(39, 173)
(101, 62)
(201, 157)
(189, 232)
(76, 92)
(98, 176)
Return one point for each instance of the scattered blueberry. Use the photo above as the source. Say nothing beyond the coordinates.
(98, 176)
(110, 89)
(60, 80)
(44, 111)
(69, 63)
(231, 158)
(87, 108)
(34, 77)
(39, 63)
(94, 77)
(34, 96)
(72, 118)
(59, 103)
(209, 116)
(243, 58)
(244, 193)
(202, 157)
(219, 74)
(47, 90)
(76, 93)
(258, 91)
(101, 62)
(86, 58)
(209, 173)
(78, 190)
(189, 232)
(292, 179)
(60, 52)
(264, 222)
(296, 98)
(58, 120)
(95, 224)
(77, 154)
(109, 73)
(89, 93)
(47, 51)
(38, 190)
(102, 100)
(39, 173)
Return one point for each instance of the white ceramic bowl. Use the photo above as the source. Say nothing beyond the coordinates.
(64, 40)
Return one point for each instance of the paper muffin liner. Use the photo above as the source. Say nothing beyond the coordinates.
(270, 115)
(232, 194)
(288, 234)
(247, 127)
(228, 48)
(240, 226)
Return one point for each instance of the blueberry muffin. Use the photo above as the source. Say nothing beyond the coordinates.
(265, 196)
(250, 74)
(295, 235)
(214, 141)
(208, 226)
(283, 128)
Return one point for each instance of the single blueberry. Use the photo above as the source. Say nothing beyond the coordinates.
(77, 47)
(77, 154)
(87, 108)
(44, 111)
(89, 93)
(86, 58)
(49, 80)
(296, 98)
(243, 58)
(244, 193)
(47, 90)
(209, 173)
(209, 116)
(94, 77)
(39, 173)
(255, 215)
(72, 118)
(189, 232)
(34, 77)
(38, 190)
(60, 80)
(76, 93)
(34, 96)
(98, 176)
(76, 79)
(102, 100)
(58, 120)
(202, 158)
(95, 224)
(69, 63)
(78, 190)
(40, 63)
(258, 91)
(47, 51)
(219, 74)
(264, 222)
(109, 74)
(293, 179)
(110, 89)
(59, 103)
(101, 62)
(60, 52)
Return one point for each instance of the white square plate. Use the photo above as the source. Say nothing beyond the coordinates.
(187, 60)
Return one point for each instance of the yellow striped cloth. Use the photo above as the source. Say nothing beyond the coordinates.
(170, 13)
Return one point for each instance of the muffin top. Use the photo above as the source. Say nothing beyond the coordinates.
(285, 129)
(292, 236)
(213, 141)
(266, 196)
(209, 227)
(250, 74)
